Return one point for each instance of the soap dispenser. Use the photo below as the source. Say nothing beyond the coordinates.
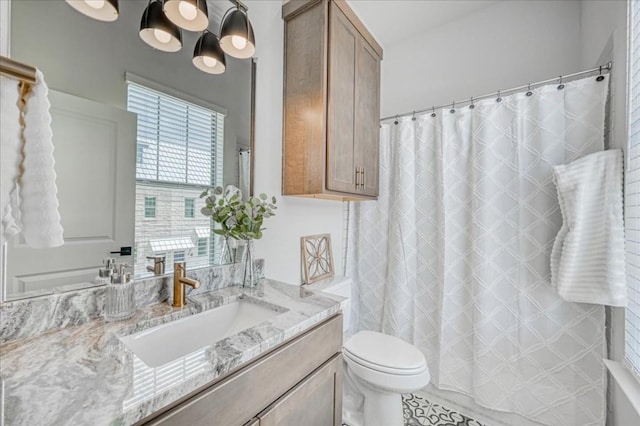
(119, 301)
(104, 273)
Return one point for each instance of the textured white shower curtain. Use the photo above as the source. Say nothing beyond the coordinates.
(244, 172)
(454, 256)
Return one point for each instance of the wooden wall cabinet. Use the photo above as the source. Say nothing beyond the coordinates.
(331, 102)
(298, 383)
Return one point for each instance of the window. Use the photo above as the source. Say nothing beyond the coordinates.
(202, 246)
(632, 197)
(189, 208)
(179, 154)
(149, 206)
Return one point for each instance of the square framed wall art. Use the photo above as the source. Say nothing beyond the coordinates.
(317, 258)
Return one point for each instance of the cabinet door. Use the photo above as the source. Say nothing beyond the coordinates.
(367, 113)
(317, 400)
(341, 153)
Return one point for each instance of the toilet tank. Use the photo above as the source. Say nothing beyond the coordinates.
(340, 286)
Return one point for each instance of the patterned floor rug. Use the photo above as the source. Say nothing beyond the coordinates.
(420, 412)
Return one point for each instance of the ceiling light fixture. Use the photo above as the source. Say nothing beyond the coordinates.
(191, 15)
(162, 21)
(236, 36)
(102, 10)
(158, 31)
(208, 56)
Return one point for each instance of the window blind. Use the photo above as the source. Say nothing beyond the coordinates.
(632, 197)
(180, 150)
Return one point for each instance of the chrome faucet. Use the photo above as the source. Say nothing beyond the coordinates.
(158, 265)
(179, 281)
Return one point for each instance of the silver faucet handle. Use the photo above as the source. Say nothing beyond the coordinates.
(158, 264)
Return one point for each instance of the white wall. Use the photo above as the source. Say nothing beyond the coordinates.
(506, 45)
(295, 217)
(604, 38)
(5, 27)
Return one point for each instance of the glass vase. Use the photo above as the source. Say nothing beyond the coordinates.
(248, 271)
(226, 254)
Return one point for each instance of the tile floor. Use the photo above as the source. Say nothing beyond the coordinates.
(420, 412)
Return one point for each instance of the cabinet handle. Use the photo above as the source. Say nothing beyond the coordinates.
(362, 174)
(357, 177)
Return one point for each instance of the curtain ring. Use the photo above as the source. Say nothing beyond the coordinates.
(560, 86)
(433, 111)
(529, 92)
(414, 116)
(472, 106)
(453, 107)
(499, 99)
(600, 77)
(396, 120)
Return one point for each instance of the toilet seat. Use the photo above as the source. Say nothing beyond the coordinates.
(385, 354)
(387, 382)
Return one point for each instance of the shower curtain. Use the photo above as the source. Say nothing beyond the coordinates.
(454, 256)
(244, 172)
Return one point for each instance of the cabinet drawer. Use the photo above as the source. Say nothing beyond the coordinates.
(237, 398)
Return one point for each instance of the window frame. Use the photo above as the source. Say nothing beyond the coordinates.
(631, 356)
(139, 100)
(202, 245)
(189, 211)
(147, 207)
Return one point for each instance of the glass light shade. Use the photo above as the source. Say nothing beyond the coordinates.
(158, 31)
(102, 10)
(208, 56)
(191, 15)
(236, 36)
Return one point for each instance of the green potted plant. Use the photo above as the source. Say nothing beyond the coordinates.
(240, 220)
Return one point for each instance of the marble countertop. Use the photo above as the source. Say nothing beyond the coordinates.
(85, 375)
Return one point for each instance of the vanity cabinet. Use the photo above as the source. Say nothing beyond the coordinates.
(331, 102)
(297, 383)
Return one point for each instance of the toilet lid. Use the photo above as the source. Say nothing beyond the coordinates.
(384, 353)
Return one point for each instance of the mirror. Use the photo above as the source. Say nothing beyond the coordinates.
(90, 67)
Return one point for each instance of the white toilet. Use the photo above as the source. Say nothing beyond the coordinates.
(380, 367)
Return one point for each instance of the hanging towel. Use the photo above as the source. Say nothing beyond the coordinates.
(587, 259)
(10, 156)
(39, 214)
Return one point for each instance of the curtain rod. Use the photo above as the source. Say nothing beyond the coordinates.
(601, 68)
(18, 70)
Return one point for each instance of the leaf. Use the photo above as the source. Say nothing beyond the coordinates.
(204, 193)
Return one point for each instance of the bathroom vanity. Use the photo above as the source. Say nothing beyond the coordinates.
(286, 369)
(300, 383)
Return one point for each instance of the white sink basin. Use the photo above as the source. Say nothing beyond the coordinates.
(167, 342)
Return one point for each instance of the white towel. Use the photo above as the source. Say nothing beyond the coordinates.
(587, 260)
(41, 226)
(10, 157)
